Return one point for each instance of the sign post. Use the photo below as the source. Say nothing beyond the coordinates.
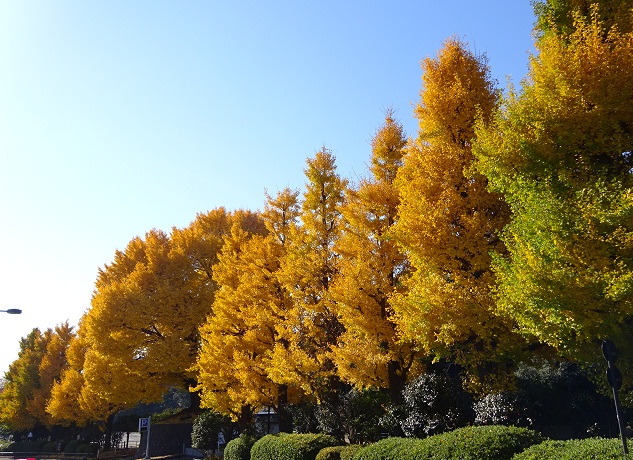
(144, 424)
(614, 377)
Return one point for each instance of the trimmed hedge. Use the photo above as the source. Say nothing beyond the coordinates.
(239, 448)
(287, 446)
(348, 451)
(338, 452)
(330, 453)
(470, 443)
(586, 449)
(26, 446)
(387, 449)
(72, 446)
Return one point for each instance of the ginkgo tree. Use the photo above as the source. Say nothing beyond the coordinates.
(311, 327)
(72, 402)
(449, 223)
(369, 353)
(240, 335)
(30, 378)
(561, 153)
(142, 329)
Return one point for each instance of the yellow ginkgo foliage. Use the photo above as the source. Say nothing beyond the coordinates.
(311, 327)
(239, 336)
(369, 352)
(147, 307)
(448, 223)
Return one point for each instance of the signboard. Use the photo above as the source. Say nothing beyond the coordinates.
(143, 424)
(609, 351)
(614, 377)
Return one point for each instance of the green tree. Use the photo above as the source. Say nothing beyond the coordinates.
(560, 152)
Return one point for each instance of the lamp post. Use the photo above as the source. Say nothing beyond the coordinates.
(12, 311)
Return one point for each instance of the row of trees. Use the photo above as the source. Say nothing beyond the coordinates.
(501, 232)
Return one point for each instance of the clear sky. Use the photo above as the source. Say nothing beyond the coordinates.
(120, 116)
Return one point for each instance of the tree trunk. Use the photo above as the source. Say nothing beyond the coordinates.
(108, 433)
(396, 381)
(245, 419)
(283, 414)
(194, 396)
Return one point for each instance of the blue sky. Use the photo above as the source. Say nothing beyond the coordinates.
(117, 116)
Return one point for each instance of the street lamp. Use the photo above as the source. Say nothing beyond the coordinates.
(12, 311)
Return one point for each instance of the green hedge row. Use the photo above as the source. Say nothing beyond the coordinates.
(586, 449)
(81, 447)
(25, 446)
(285, 446)
(469, 443)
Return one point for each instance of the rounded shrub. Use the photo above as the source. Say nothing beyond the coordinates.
(50, 446)
(348, 451)
(239, 448)
(330, 453)
(386, 449)
(495, 442)
(286, 446)
(469, 443)
(338, 452)
(592, 448)
(88, 448)
(72, 446)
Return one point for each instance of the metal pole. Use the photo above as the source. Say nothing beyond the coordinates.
(618, 412)
(149, 425)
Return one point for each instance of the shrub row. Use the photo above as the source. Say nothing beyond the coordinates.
(469, 443)
(284, 446)
(25, 446)
(593, 448)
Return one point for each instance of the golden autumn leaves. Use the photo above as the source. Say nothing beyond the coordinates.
(503, 226)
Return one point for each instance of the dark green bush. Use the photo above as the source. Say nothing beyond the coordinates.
(285, 446)
(435, 402)
(239, 448)
(88, 448)
(559, 400)
(72, 446)
(206, 428)
(50, 446)
(586, 449)
(26, 446)
(469, 443)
